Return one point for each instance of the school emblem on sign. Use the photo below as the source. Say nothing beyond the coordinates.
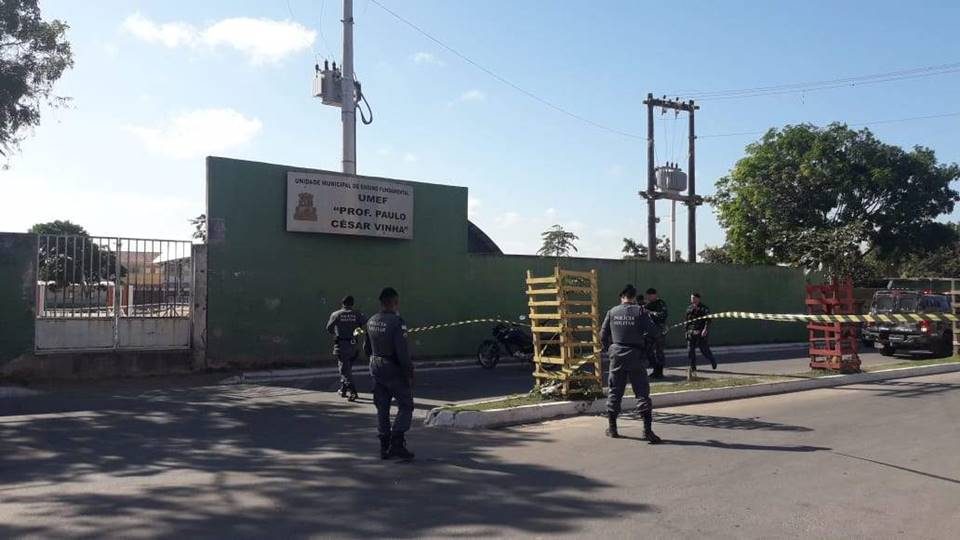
(305, 210)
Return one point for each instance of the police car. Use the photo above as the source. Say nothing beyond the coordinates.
(931, 336)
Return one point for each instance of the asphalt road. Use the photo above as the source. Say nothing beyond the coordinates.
(470, 383)
(870, 461)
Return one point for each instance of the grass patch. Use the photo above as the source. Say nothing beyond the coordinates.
(704, 383)
(914, 363)
(505, 403)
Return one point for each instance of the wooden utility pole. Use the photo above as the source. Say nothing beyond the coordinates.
(691, 199)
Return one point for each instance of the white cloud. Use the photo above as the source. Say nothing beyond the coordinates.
(175, 34)
(199, 133)
(507, 219)
(427, 59)
(473, 207)
(472, 95)
(615, 170)
(261, 40)
(410, 158)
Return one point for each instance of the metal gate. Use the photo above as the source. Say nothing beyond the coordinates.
(99, 293)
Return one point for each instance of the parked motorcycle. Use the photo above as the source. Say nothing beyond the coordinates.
(510, 339)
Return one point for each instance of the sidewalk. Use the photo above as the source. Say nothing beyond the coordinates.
(293, 374)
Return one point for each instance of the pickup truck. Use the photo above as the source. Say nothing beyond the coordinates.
(932, 336)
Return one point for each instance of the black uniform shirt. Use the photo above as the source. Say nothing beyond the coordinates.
(696, 311)
(387, 339)
(344, 322)
(623, 335)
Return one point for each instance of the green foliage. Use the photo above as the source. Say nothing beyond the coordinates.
(33, 55)
(825, 198)
(200, 228)
(557, 242)
(634, 250)
(68, 256)
(716, 255)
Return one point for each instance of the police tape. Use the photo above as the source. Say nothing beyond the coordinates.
(360, 331)
(815, 318)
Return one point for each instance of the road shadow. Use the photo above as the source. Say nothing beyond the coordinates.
(711, 443)
(262, 462)
(722, 422)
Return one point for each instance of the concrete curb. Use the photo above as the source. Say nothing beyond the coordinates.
(441, 417)
(12, 392)
(276, 375)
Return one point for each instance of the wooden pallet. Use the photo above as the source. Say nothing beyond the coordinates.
(565, 323)
(833, 346)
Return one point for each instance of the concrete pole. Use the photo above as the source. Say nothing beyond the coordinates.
(651, 187)
(692, 192)
(348, 109)
(673, 231)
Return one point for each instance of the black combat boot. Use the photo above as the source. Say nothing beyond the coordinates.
(342, 390)
(384, 446)
(353, 393)
(612, 427)
(657, 372)
(398, 447)
(651, 437)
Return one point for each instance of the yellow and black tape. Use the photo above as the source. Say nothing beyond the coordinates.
(360, 331)
(894, 318)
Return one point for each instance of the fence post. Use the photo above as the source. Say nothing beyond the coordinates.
(198, 314)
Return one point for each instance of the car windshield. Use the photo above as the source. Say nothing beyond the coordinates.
(886, 303)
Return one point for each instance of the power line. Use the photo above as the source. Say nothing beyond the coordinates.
(859, 124)
(503, 80)
(800, 87)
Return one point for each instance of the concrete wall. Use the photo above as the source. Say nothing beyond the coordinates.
(18, 276)
(270, 291)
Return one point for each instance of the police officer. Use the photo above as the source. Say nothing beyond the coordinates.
(658, 312)
(392, 372)
(623, 336)
(697, 332)
(342, 325)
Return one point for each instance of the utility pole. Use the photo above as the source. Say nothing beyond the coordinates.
(651, 186)
(691, 190)
(348, 107)
(675, 181)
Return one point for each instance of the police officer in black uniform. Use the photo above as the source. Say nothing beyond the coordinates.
(697, 332)
(658, 312)
(623, 336)
(392, 372)
(342, 324)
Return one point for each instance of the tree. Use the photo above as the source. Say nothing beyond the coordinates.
(68, 256)
(557, 242)
(33, 55)
(65, 227)
(825, 198)
(200, 228)
(716, 255)
(633, 250)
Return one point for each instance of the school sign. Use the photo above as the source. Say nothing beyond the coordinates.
(326, 203)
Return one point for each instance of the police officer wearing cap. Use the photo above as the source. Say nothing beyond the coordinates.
(623, 336)
(392, 372)
(658, 312)
(698, 329)
(342, 324)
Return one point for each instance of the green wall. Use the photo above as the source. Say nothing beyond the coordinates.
(270, 291)
(18, 276)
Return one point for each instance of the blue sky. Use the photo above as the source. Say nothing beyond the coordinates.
(158, 85)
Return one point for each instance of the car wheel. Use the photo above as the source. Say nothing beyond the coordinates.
(887, 350)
